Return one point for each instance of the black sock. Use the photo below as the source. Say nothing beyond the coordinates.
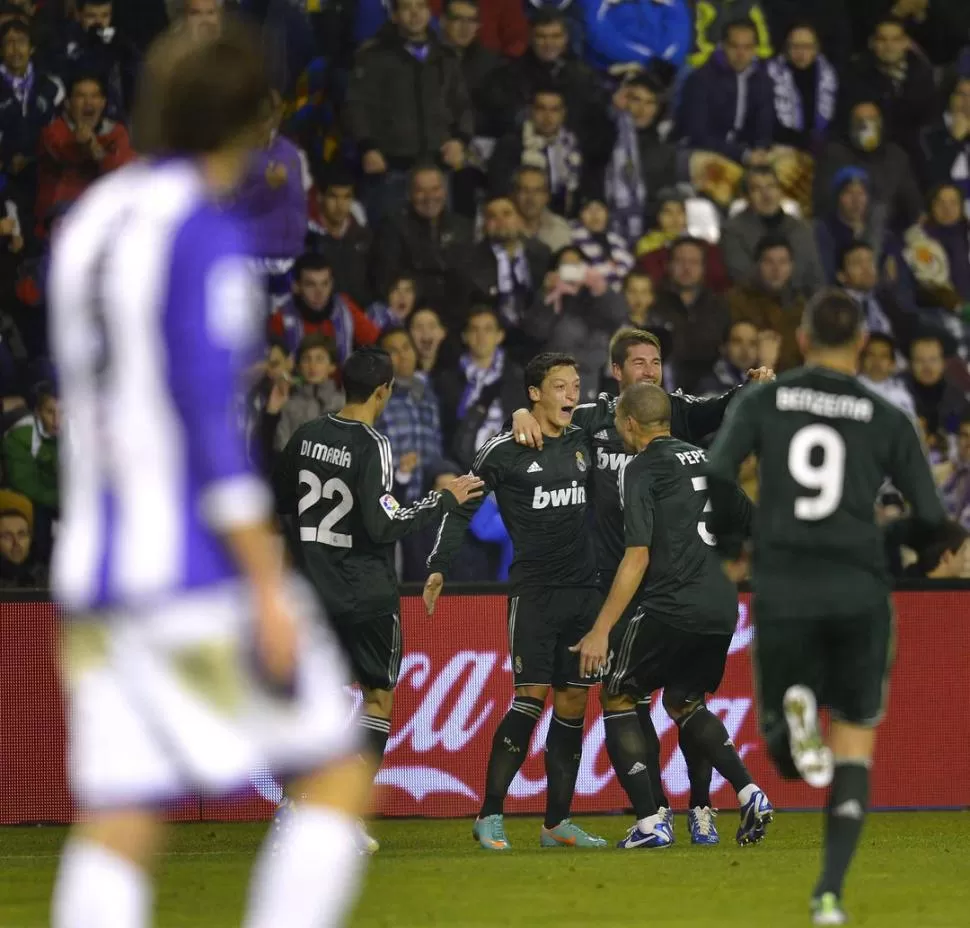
(376, 732)
(510, 747)
(564, 747)
(653, 752)
(848, 801)
(699, 771)
(705, 736)
(627, 747)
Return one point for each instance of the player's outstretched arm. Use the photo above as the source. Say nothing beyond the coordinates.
(590, 417)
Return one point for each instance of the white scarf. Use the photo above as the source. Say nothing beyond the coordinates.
(788, 101)
(513, 278)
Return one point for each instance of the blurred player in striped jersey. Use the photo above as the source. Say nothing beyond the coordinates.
(191, 657)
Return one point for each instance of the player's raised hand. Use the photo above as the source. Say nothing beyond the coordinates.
(737, 571)
(432, 590)
(761, 375)
(466, 487)
(593, 650)
(526, 429)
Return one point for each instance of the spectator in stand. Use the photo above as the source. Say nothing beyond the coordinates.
(937, 27)
(852, 217)
(411, 420)
(653, 250)
(604, 251)
(18, 570)
(639, 295)
(343, 241)
(770, 300)
(479, 393)
(317, 308)
(13, 355)
(947, 225)
(406, 103)
(479, 66)
(399, 303)
(900, 79)
(426, 331)
(29, 100)
(93, 45)
(508, 270)
(829, 19)
(711, 17)
(946, 145)
(636, 33)
(271, 203)
(30, 458)
(426, 242)
(530, 194)
(578, 316)
(727, 105)
(739, 354)
(504, 28)
(548, 63)
(955, 490)
(764, 216)
(806, 89)
(892, 183)
(271, 389)
(641, 163)
(695, 318)
(78, 148)
(315, 393)
(543, 141)
(202, 18)
(884, 312)
(935, 394)
(878, 372)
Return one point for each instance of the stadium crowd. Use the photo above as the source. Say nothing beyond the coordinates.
(469, 182)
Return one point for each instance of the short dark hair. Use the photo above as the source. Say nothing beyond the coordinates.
(770, 241)
(692, 240)
(87, 77)
(423, 309)
(44, 390)
(316, 340)
(548, 89)
(310, 261)
(81, 4)
(337, 176)
(483, 309)
(274, 341)
(759, 170)
(741, 22)
(881, 338)
(888, 20)
(947, 538)
(538, 368)
(390, 330)
(625, 339)
(547, 16)
(636, 273)
(647, 403)
(364, 371)
(926, 336)
(524, 169)
(832, 318)
(16, 25)
(423, 166)
(852, 247)
(197, 95)
(448, 4)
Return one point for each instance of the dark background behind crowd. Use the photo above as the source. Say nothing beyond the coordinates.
(467, 182)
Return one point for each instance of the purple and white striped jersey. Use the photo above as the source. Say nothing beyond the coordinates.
(153, 314)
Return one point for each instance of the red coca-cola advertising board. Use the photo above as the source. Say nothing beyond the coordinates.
(456, 685)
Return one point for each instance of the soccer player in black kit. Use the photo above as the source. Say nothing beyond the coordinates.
(686, 612)
(822, 607)
(542, 497)
(333, 485)
(635, 358)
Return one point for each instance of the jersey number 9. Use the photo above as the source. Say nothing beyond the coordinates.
(334, 488)
(826, 473)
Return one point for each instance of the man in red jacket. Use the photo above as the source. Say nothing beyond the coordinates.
(78, 148)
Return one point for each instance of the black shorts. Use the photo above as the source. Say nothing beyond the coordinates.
(647, 654)
(543, 626)
(373, 647)
(845, 661)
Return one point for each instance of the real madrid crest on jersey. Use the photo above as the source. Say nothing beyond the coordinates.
(581, 462)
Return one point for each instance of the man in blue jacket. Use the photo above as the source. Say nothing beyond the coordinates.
(625, 32)
(727, 105)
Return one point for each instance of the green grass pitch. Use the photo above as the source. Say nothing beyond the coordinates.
(912, 872)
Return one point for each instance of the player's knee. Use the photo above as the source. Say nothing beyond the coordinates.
(378, 702)
(532, 692)
(616, 702)
(343, 786)
(680, 705)
(133, 834)
(570, 702)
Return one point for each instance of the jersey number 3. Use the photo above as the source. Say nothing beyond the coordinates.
(334, 488)
(816, 460)
(700, 486)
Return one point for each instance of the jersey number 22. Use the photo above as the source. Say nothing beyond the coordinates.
(334, 488)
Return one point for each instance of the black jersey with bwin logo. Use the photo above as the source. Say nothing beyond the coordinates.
(335, 478)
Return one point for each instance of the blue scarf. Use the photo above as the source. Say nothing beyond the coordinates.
(788, 102)
(477, 379)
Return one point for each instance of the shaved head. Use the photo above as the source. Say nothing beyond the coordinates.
(645, 403)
